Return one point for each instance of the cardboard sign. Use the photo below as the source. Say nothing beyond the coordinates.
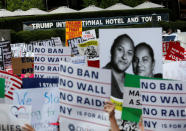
(23, 65)
(83, 91)
(175, 53)
(163, 105)
(13, 117)
(39, 82)
(45, 106)
(46, 60)
(12, 83)
(73, 30)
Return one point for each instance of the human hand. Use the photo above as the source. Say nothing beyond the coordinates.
(109, 107)
(28, 127)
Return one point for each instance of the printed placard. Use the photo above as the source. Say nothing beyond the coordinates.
(83, 91)
(89, 34)
(45, 106)
(46, 60)
(13, 117)
(73, 30)
(163, 105)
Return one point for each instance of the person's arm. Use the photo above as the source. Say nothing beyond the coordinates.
(110, 107)
(28, 127)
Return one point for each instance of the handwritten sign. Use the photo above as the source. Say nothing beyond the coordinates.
(46, 60)
(45, 103)
(13, 117)
(163, 105)
(83, 91)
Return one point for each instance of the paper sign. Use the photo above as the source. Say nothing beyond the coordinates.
(18, 49)
(83, 91)
(40, 82)
(163, 105)
(45, 106)
(12, 83)
(46, 60)
(73, 30)
(88, 34)
(23, 65)
(13, 117)
(175, 53)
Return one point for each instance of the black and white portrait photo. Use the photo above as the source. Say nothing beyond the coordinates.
(132, 50)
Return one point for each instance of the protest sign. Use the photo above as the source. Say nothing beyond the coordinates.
(88, 34)
(57, 41)
(13, 117)
(131, 99)
(83, 91)
(167, 44)
(1, 59)
(22, 65)
(175, 52)
(46, 60)
(163, 105)
(39, 82)
(89, 49)
(6, 53)
(18, 49)
(175, 70)
(2, 87)
(80, 60)
(45, 106)
(73, 30)
(73, 43)
(113, 57)
(12, 83)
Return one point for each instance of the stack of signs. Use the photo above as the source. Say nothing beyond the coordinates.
(22, 65)
(13, 117)
(131, 99)
(45, 106)
(175, 70)
(83, 91)
(12, 83)
(46, 60)
(175, 52)
(73, 30)
(163, 105)
(1, 59)
(2, 90)
(6, 54)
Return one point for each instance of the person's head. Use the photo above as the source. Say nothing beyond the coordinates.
(122, 52)
(143, 62)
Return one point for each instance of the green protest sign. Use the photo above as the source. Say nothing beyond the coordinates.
(2, 87)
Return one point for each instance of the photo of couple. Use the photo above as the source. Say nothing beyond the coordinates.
(126, 52)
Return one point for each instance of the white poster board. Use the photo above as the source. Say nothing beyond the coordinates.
(45, 106)
(13, 117)
(83, 91)
(163, 105)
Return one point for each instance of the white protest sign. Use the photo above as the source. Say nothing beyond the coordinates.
(46, 60)
(45, 106)
(12, 83)
(13, 117)
(57, 41)
(83, 91)
(80, 60)
(175, 70)
(18, 49)
(89, 34)
(163, 105)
